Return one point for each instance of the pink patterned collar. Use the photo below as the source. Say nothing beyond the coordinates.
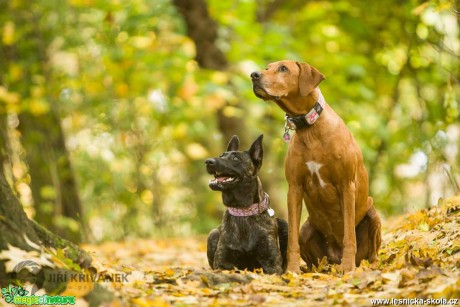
(254, 209)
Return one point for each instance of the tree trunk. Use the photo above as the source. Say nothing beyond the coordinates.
(3, 136)
(15, 227)
(202, 29)
(54, 191)
(53, 184)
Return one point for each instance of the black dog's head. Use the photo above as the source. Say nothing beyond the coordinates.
(234, 169)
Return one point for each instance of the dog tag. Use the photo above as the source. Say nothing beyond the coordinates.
(286, 137)
(271, 212)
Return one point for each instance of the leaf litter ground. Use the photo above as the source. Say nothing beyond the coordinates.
(419, 258)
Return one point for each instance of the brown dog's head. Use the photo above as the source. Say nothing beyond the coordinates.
(284, 82)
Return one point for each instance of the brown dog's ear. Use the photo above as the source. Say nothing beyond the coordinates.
(309, 78)
(234, 144)
(256, 152)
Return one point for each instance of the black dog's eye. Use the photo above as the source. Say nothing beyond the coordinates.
(283, 68)
(235, 158)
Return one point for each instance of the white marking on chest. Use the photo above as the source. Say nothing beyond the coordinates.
(314, 167)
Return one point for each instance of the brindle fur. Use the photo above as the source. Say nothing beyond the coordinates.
(245, 242)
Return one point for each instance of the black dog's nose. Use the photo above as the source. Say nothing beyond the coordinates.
(211, 161)
(256, 75)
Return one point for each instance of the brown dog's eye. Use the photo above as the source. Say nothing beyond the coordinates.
(283, 68)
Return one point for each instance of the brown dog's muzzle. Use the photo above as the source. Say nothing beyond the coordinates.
(257, 87)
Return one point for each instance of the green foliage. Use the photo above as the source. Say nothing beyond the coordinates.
(140, 115)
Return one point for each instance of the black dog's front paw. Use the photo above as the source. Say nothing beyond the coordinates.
(278, 270)
(213, 240)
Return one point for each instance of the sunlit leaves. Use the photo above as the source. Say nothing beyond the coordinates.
(8, 35)
(413, 263)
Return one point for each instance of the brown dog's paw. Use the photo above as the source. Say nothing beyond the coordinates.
(293, 267)
(347, 266)
(293, 262)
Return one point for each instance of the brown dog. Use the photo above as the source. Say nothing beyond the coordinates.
(324, 167)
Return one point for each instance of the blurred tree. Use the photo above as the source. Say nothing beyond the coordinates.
(145, 91)
(28, 36)
(203, 30)
(20, 232)
(232, 115)
(3, 135)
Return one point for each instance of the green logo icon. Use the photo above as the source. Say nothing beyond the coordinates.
(11, 292)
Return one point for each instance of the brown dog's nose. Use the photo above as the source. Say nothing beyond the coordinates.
(256, 75)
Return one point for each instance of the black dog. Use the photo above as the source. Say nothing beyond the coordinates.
(249, 236)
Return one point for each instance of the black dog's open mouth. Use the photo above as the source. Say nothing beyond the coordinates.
(222, 180)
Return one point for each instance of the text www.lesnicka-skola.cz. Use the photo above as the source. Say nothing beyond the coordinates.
(415, 301)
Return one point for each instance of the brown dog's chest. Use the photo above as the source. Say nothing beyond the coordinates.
(314, 164)
(322, 200)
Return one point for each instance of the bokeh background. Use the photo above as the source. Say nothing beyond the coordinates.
(108, 108)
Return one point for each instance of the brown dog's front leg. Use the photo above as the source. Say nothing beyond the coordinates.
(295, 196)
(349, 230)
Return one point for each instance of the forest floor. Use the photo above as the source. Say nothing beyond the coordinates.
(419, 259)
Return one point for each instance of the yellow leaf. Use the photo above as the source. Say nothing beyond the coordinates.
(219, 77)
(147, 196)
(81, 3)
(424, 226)
(78, 288)
(8, 33)
(38, 106)
(156, 302)
(15, 72)
(188, 89)
(196, 151)
(8, 97)
(233, 112)
(122, 89)
(215, 101)
(142, 42)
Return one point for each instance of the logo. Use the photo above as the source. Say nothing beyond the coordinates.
(30, 272)
(31, 276)
(18, 296)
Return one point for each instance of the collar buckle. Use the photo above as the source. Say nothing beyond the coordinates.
(289, 123)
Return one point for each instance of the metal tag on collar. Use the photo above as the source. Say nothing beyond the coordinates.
(286, 135)
(271, 212)
(289, 123)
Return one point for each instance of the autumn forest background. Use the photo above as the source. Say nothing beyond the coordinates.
(108, 109)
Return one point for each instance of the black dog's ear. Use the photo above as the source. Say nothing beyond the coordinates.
(257, 152)
(233, 144)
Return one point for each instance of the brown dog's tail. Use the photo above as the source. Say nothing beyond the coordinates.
(283, 230)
